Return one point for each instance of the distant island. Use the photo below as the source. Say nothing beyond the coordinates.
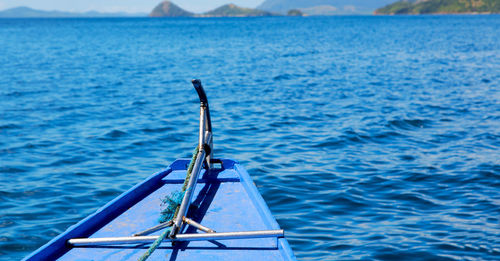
(26, 12)
(295, 12)
(231, 10)
(324, 7)
(169, 9)
(441, 7)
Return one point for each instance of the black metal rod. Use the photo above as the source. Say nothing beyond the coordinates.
(204, 101)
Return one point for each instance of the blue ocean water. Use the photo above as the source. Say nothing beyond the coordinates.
(369, 137)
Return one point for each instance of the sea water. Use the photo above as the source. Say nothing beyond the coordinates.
(368, 137)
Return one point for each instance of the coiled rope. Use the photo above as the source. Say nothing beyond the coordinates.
(171, 210)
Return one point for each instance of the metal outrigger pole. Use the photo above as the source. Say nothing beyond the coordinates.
(204, 156)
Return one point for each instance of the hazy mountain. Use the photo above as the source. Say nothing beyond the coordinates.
(441, 7)
(321, 10)
(169, 9)
(294, 12)
(324, 7)
(26, 12)
(231, 10)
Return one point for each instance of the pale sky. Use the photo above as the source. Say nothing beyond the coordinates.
(121, 5)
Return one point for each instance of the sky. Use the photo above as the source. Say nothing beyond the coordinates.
(131, 6)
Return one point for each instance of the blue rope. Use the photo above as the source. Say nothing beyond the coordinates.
(156, 244)
(172, 202)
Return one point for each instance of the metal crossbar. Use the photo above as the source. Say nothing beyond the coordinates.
(179, 237)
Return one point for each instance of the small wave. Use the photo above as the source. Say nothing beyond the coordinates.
(354, 137)
(67, 161)
(330, 143)
(298, 54)
(137, 103)
(83, 174)
(157, 130)
(340, 202)
(407, 157)
(241, 131)
(418, 177)
(485, 80)
(410, 124)
(10, 169)
(413, 199)
(448, 137)
(285, 76)
(114, 134)
(24, 93)
(392, 254)
(279, 124)
(385, 137)
(10, 126)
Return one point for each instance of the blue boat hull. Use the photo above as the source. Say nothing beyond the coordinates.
(226, 200)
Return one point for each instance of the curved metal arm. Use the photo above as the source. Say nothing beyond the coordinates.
(205, 154)
(205, 123)
(203, 102)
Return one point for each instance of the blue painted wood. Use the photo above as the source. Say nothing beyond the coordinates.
(226, 200)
